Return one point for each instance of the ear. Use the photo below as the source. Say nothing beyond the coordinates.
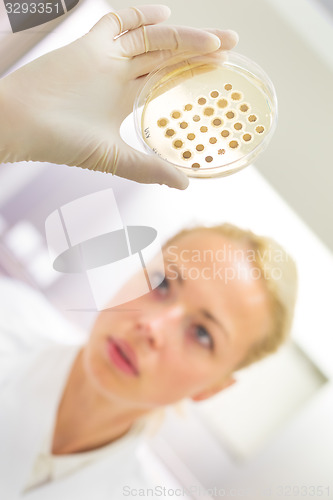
(208, 393)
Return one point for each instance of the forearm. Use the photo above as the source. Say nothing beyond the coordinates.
(15, 127)
(6, 126)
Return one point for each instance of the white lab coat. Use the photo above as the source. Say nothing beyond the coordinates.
(31, 382)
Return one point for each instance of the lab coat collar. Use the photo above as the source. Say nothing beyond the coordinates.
(103, 479)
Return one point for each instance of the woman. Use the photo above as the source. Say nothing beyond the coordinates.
(71, 414)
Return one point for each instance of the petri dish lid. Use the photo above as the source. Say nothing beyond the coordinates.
(209, 116)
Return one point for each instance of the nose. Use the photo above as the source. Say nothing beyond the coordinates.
(157, 327)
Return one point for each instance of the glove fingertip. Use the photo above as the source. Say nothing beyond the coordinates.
(166, 11)
(181, 183)
(233, 37)
(177, 179)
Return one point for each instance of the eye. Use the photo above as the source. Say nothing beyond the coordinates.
(202, 336)
(160, 284)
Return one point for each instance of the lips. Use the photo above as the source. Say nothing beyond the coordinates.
(122, 355)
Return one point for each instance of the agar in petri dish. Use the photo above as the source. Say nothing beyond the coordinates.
(218, 114)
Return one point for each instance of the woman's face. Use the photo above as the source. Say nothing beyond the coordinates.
(185, 338)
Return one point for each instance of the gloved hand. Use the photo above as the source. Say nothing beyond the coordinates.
(67, 106)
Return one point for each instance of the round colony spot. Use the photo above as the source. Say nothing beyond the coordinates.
(230, 115)
(213, 140)
(252, 118)
(209, 111)
(236, 96)
(247, 137)
(244, 107)
(188, 107)
(176, 114)
(202, 101)
(195, 165)
(217, 122)
(228, 86)
(200, 147)
(233, 144)
(162, 122)
(191, 136)
(203, 129)
(187, 155)
(238, 126)
(178, 143)
(196, 118)
(222, 103)
(260, 129)
(170, 132)
(214, 94)
(183, 125)
(225, 133)
(209, 159)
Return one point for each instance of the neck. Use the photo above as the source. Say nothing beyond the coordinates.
(86, 419)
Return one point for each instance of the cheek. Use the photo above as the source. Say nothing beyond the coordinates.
(98, 328)
(97, 364)
(94, 363)
(183, 378)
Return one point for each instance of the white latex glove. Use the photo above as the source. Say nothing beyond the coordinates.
(67, 106)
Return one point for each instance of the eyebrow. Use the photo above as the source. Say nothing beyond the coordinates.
(204, 312)
(209, 316)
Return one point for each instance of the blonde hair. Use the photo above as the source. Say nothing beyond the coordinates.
(280, 279)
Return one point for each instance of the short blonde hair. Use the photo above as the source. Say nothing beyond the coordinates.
(281, 286)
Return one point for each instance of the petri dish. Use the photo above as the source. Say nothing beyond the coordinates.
(208, 116)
